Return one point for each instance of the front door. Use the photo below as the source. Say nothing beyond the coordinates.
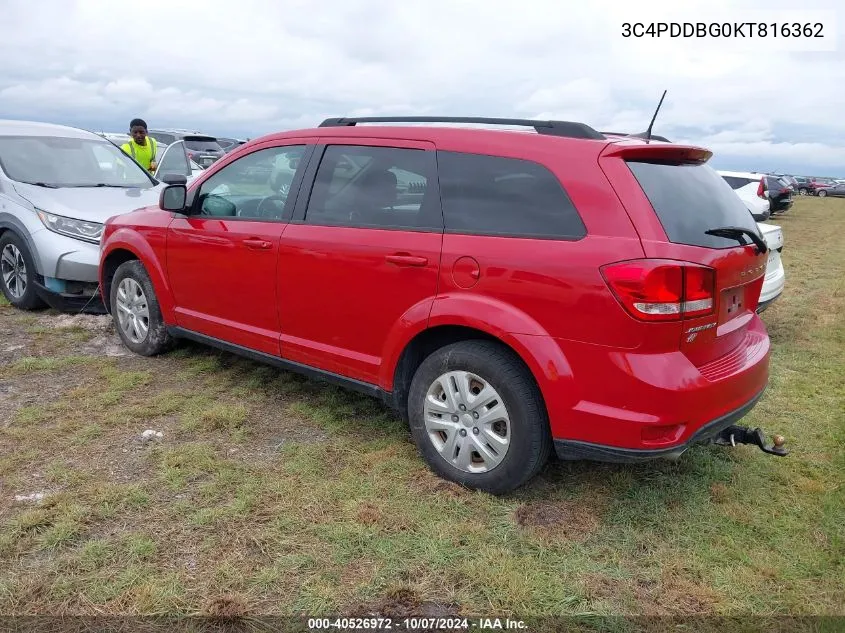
(172, 159)
(222, 256)
(361, 254)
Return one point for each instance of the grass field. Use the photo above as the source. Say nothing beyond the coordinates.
(271, 494)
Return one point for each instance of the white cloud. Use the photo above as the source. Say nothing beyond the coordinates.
(266, 64)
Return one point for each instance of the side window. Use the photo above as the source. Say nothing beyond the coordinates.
(735, 182)
(377, 187)
(253, 187)
(174, 161)
(490, 195)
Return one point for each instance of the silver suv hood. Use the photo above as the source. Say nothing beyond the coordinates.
(93, 204)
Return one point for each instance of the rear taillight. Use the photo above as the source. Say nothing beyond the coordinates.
(662, 290)
(761, 191)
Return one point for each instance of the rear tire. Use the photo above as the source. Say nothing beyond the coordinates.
(136, 312)
(17, 273)
(822, 193)
(802, 192)
(477, 417)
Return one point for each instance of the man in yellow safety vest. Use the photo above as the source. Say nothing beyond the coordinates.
(142, 147)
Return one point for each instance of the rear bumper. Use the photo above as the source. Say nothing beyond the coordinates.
(648, 402)
(575, 450)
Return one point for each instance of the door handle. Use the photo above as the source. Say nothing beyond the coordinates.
(257, 244)
(406, 260)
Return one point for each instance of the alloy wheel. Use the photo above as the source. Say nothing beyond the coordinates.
(13, 269)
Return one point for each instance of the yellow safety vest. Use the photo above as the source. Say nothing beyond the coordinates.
(143, 157)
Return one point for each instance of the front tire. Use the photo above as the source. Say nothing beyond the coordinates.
(136, 312)
(803, 192)
(478, 418)
(17, 273)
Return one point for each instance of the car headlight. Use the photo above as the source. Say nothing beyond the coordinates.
(78, 229)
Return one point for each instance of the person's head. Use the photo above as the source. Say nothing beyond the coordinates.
(138, 130)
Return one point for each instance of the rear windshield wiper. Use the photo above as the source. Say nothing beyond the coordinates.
(40, 184)
(739, 233)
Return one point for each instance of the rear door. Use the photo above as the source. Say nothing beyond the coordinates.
(675, 198)
(362, 254)
(173, 160)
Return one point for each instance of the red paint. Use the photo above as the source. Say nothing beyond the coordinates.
(349, 300)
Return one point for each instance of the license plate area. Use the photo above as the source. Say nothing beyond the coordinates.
(732, 304)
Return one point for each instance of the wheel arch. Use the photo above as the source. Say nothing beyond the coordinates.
(125, 245)
(429, 340)
(109, 267)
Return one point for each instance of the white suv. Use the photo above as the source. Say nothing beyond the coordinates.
(751, 189)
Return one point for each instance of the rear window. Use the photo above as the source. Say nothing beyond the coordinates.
(690, 200)
(202, 143)
(737, 182)
(491, 195)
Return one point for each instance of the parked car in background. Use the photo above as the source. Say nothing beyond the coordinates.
(58, 185)
(170, 159)
(803, 186)
(778, 193)
(791, 182)
(775, 279)
(202, 149)
(751, 190)
(475, 242)
(837, 191)
(229, 144)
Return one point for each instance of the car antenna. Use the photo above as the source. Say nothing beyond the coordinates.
(651, 125)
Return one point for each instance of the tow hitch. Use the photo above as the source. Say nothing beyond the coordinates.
(734, 435)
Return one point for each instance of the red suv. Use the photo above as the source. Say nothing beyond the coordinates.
(508, 292)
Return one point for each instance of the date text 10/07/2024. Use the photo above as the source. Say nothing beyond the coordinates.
(724, 29)
(416, 624)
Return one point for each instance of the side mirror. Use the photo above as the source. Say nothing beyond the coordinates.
(173, 198)
(174, 179)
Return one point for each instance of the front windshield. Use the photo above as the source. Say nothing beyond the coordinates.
(69, 162)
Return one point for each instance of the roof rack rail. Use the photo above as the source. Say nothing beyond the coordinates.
(654, 137)
(552, 128)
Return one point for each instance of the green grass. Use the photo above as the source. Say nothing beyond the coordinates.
(270, 493)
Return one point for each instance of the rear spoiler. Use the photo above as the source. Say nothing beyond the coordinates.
(671, 154)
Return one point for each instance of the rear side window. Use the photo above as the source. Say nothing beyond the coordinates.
(490, 195)
(690, 200)
(737, 182)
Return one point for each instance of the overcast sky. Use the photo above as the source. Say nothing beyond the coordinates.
(248, 67)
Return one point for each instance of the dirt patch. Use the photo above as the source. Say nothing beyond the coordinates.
(671, 595)
(405, 603)
(35, 389)
(565, 519)
(226, 608)
(427, 482)
(368, 514)
(104, 340)
(719, 493)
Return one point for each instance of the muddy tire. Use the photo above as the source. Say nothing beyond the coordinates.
(136, 312)
(478, 418)
(17, 273)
